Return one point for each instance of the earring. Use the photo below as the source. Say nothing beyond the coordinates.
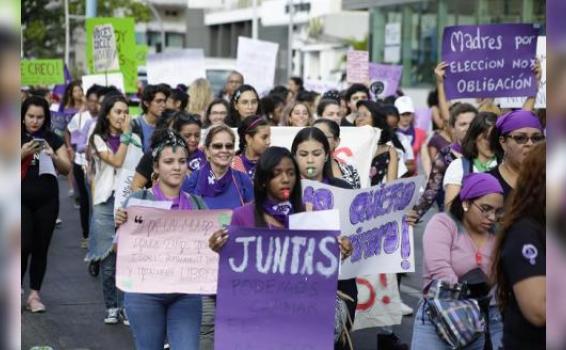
(465, 208)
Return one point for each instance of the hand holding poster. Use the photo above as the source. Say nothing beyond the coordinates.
(277, 287)
(493, 60)
(373, 219)
(166, 251)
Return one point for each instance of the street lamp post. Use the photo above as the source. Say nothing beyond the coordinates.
(290, 43)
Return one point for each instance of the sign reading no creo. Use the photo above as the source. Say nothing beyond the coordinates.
(494, 60)
(42, 72)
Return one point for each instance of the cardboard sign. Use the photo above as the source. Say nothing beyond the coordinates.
(256, 60)
(373, 218)
(166, 251)
(176, 67)
(108, 79)
(104, 50)
(388, 75)
(42, 72)
(517, 102)
(493, 60)
(277, 289)
(124, 31)
(357, 67)
(379, 302)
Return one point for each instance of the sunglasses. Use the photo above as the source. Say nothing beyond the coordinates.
(523, 139)
(219, 146)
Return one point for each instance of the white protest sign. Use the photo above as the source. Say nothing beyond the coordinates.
(125, 175)
(256, 60)
(320, 86)
(379, 302)
(517, 102)
(357, 67)
(104, 50)
(315, 220)
(373, 219)
(166, 251)
(176, 67)
(111, 79)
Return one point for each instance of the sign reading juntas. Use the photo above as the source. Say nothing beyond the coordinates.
(517, 102)
(176, 67)
(104, 48)
(277, 287)
(373, 218)
(256, 60)
(42, 72)
(357, 67)
(166, 251)
(492, 60)
(124, 31)
(388, 75)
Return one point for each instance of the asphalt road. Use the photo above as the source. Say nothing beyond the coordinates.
(75, 309)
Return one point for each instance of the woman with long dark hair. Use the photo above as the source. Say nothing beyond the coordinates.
(520, 258)
(109, 143)
(244, 103)
(216, 113)
(43, 153)
(255, 138)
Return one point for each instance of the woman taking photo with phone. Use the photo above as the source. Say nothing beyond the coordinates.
(43, 156)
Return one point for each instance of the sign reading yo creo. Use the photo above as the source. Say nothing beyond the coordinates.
(42, 72)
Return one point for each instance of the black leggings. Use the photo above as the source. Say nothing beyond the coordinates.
(79, 175)
(38, 223)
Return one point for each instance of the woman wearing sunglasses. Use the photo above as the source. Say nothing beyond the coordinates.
(221, 187)
(456, 243)
(513, 137)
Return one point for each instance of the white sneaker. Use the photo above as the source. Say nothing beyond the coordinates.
(58, 221)
(124, 317)
(111, 316)
(406, 310)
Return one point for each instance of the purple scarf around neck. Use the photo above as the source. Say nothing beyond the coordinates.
(208, 185)
(249, 165)
(280, 211)
(179, 203)
(409, 132)
(114, 142)
(196, 160)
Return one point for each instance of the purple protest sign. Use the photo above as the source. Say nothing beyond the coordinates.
(277, 290)
(388, 74)
(493, 60)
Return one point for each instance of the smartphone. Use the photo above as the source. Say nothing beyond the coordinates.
(41, 142)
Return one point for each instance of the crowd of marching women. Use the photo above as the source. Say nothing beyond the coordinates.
(484, 251)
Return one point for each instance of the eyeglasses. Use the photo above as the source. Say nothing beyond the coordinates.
(488, 211)
(522, 139)
(219, 146)
(221, 113)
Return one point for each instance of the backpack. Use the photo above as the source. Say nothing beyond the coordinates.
(468, 166)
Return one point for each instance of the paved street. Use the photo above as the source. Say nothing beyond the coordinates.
(75, 311)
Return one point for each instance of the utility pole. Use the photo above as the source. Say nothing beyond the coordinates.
(67, 33)
(254, 20)
(290, 35)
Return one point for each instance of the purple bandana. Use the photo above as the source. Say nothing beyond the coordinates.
(517, 120)
(280, 211)
(409, 132)
(249, 165)
(478, 185)
(456, 147)
(196, 160)
(114, 142)
(179, 203)
(208, 185)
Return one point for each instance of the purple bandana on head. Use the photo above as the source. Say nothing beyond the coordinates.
(249, 165)
(280, 211)
(196, 160)
(114, 142)
(208, 185)
(179, 203)
(517, 120)
(478, 185)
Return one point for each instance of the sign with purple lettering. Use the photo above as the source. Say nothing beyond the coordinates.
(388, 74)
(492, 60)
(277, 290)
(373, 219)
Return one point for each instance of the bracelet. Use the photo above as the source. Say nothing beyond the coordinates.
(126, 138)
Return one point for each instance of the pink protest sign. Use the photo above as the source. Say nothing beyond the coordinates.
(357, 67)
(166, 251)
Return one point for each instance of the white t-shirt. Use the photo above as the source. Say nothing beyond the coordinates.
(105, 174)
(455, 172)
(406, 142)
(78, 123)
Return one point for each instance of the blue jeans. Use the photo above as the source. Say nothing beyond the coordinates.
(155, 316)
(425, 336)
(113, 297)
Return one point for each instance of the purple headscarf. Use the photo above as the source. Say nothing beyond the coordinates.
(179, 203)
(517, 120)
(478, 185)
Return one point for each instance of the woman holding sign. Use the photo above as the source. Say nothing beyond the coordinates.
(43, 153)
(109, 144)
(278, 194)
(458, 248)
(153, 317)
